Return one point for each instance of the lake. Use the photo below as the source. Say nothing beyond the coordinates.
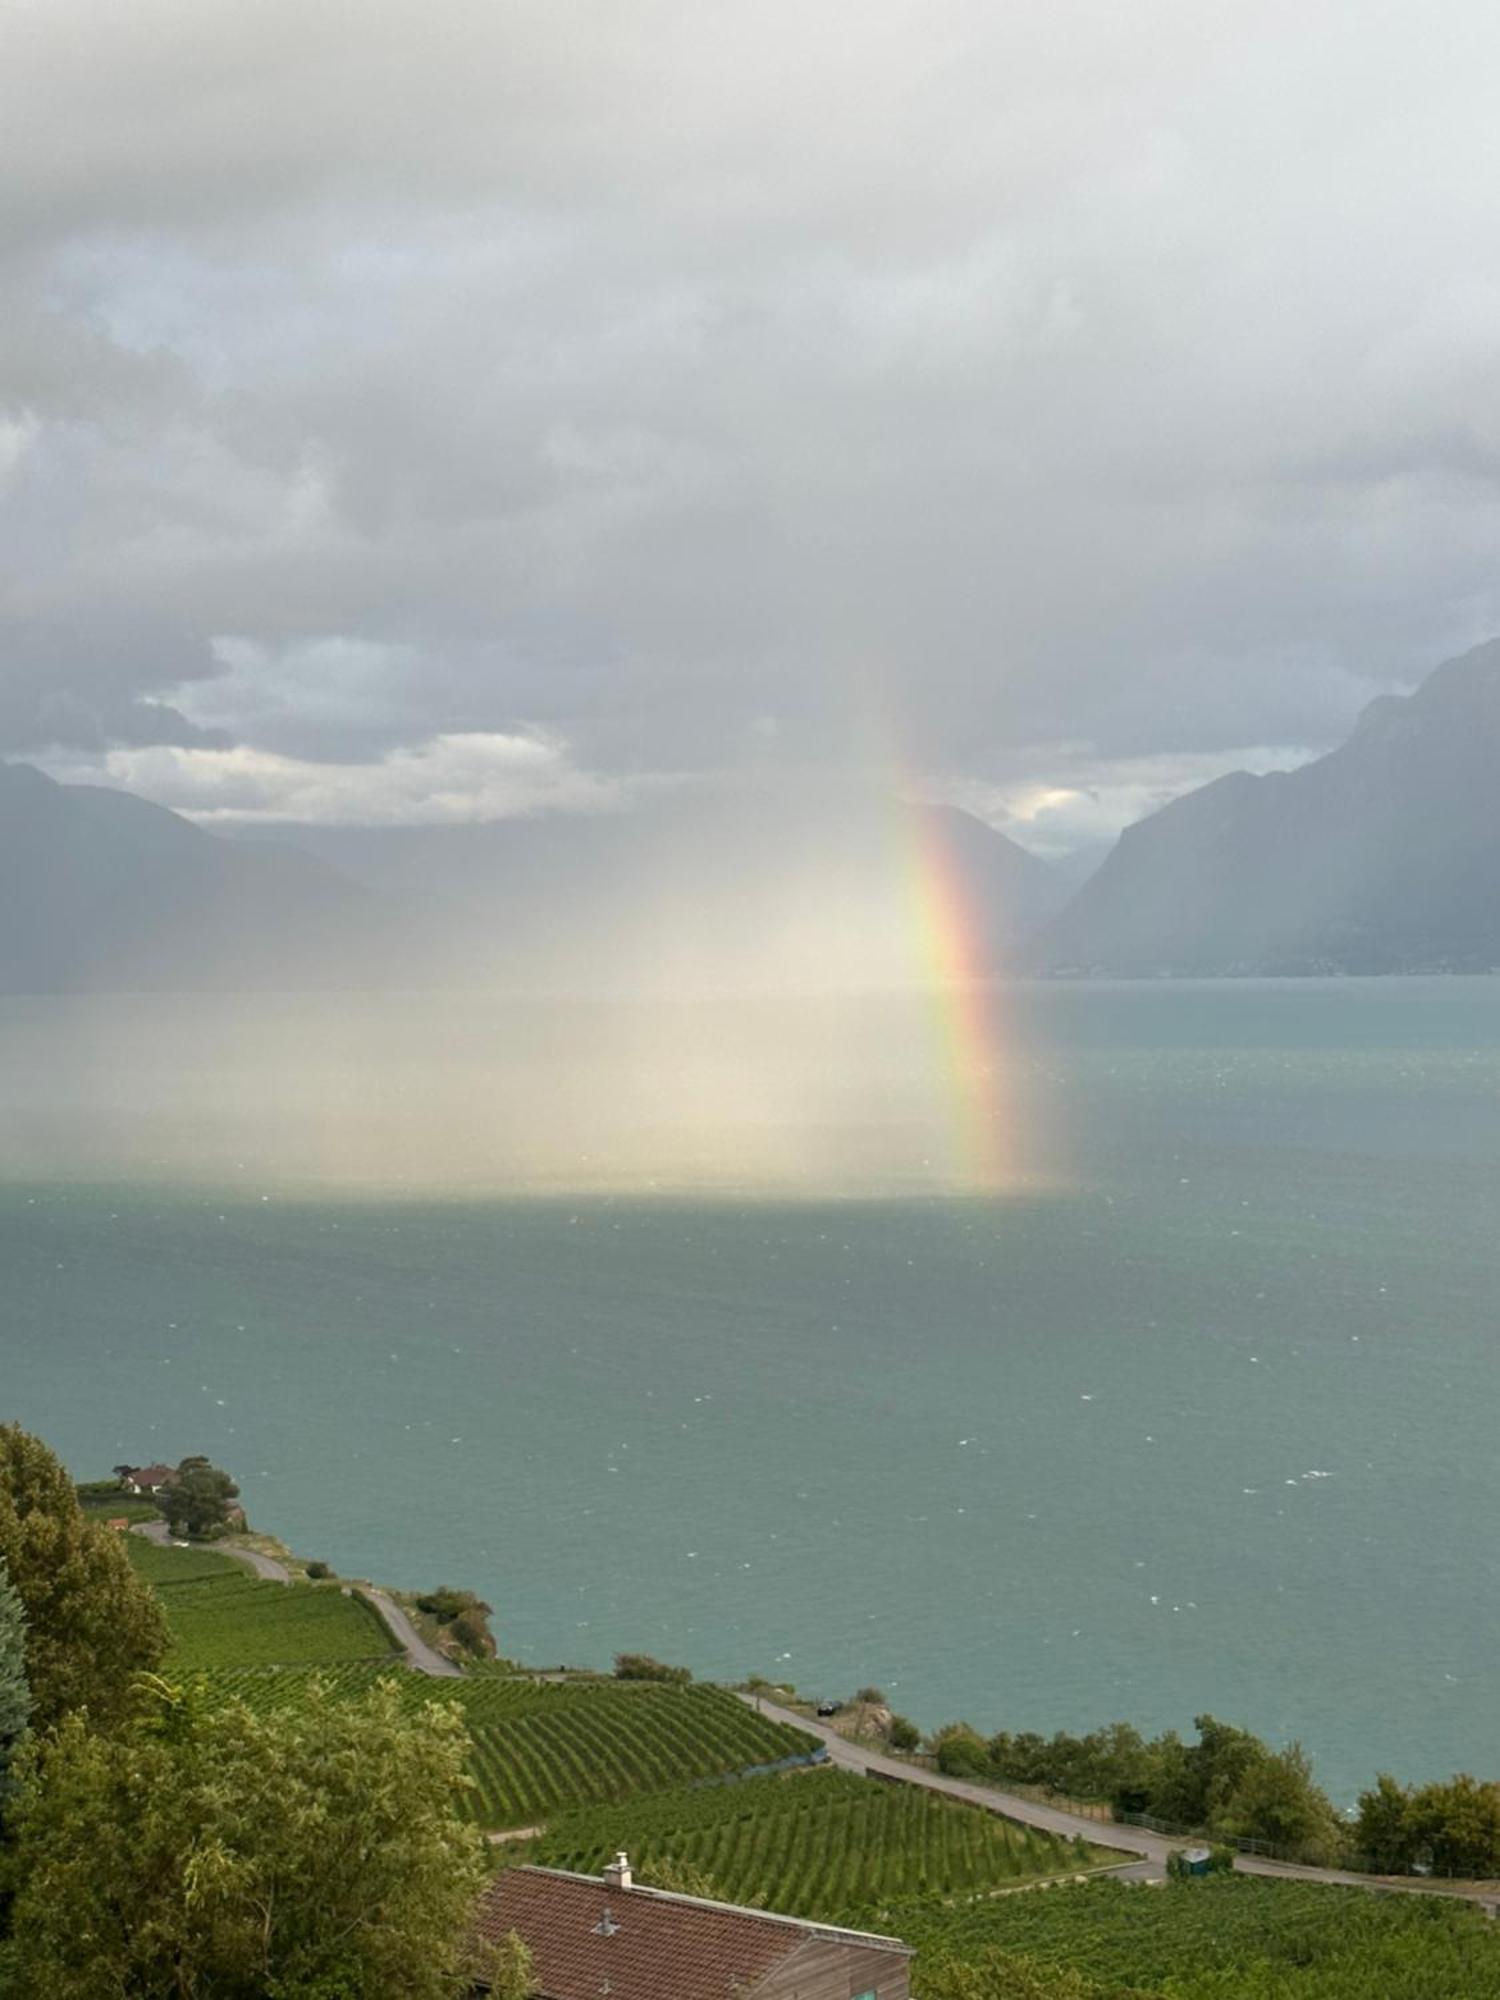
(1198, 1411)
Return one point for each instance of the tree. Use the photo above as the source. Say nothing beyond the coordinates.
(1277, 1801)
(507, 1971)
(319, 1852)
(1219, 1763)
(1384, 1832)
(196, 1498)
(15, 1691)
(1456, 1827)
(91, 1624)
(961, 1752)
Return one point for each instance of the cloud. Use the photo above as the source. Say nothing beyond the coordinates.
(446, 779)
(1088, 799)
(696, 385)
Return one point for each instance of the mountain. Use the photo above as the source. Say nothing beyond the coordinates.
(1075, 867)
(697, 888)
(1383, 856)
(102, 891)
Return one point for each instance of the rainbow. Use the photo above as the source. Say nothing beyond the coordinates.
(949, 934)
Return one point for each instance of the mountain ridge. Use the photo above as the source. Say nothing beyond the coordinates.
(1383, 855)
(101, 890)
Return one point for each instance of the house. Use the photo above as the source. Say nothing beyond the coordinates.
(593, 1934)
(148, 1479)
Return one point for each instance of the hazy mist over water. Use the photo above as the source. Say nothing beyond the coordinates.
(1198, 1414)
(433, 1093)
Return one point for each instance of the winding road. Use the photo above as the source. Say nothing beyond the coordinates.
(1148, 1851)
(264, 1566)
(420, 1657)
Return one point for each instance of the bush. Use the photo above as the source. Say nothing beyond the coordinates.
(471, 1630)
(464, 1618)
(961, 1753)
(903, 1733)
(319, 1572)
(446, 1603)
(871, 1697)
(642, 1667)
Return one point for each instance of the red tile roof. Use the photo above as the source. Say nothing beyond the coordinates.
(642, 1944)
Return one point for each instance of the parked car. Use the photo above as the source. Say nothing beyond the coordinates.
(829, 1707)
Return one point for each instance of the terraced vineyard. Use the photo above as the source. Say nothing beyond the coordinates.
(541, 1747)
(1232, 1938)
(221, 1615)
(821, 1843)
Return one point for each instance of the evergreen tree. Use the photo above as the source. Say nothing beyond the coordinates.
(91, 1624)
(15, 1692)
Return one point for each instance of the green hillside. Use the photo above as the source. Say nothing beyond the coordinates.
(221, 1615)
(821, 1843)
(542, 1747)
(1233, 1937)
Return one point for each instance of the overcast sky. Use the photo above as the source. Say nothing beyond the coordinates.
(429, 410)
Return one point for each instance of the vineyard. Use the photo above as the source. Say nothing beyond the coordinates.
(220, 1615)
(820, 1843)
(541, 1747)
(1229, 1938)
(160, 1564)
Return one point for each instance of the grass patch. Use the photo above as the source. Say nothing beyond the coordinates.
(121, 1507)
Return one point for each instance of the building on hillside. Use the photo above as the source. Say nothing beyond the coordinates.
(600, 1934)
(148, 1479)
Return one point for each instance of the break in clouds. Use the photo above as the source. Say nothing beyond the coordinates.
(481, 409)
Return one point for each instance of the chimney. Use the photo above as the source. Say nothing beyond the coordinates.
(617, 1872)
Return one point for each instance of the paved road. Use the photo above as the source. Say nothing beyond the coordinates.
(420, 1657)
(1149, 1849)
(265, 1566)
